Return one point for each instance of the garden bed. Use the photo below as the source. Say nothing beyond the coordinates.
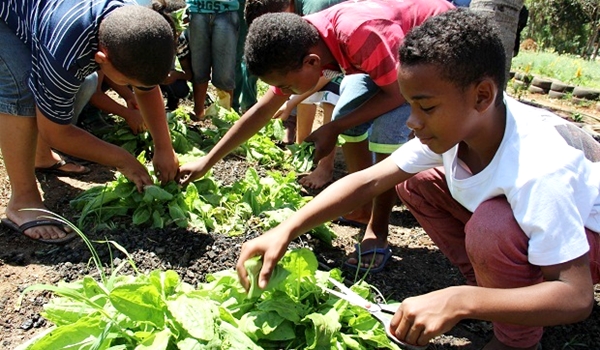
(417, 266)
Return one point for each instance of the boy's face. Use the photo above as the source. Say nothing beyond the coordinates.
(442, 115)
(296, 81)
(117, 77)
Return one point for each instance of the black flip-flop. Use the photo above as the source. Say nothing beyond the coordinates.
(55, 169)
(347, 222)
(40, 222)
(386, 252)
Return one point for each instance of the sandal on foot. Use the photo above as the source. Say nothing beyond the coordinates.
(41, 222)
(56, 169)
(386, 252)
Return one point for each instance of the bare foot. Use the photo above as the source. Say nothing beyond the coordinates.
(317, 178)
(370, 242)
(20, 217)
(495, 344)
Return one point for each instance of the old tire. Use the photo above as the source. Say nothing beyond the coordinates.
(537, 90)
(586, 93)
(542, 83)
(556, 94)
(559, 86)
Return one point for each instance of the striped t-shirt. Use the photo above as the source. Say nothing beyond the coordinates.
(63, 38)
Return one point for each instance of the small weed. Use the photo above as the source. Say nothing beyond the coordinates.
(575, 342)
(577, 117)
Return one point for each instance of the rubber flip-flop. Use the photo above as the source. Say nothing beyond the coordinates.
(56, 169)
(41, 222)
(347, 222)
(386, 252)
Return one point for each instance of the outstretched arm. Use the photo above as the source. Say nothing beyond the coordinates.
(248, 125)
(153, 111)
(339, 198)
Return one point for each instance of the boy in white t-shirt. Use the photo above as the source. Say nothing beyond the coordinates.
(503, 189)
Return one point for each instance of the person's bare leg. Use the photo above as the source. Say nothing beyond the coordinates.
(495, 344)
(199, 97)
(358, 157)
(323, 173)
(376, 234)
(18, 137)
(304, 120)
(45, 157)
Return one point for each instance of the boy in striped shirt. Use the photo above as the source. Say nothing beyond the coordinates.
(48, 49)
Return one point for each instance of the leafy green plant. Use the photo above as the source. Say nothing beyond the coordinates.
(159, 311)
(205, 204)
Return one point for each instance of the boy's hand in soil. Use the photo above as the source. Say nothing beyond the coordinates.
(136, 172)
(271, 245)
(166, 165)
(192, 171)
(134, 119)
(325, 139)
(284, 111)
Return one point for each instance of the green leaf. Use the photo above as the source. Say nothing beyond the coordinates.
(196, 315)
(253, 267)
(157, 341)
(141, 215)
(79, 335)
(323, 330)
(139, 301)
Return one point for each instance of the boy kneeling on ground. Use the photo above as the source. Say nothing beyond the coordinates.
(508, 192)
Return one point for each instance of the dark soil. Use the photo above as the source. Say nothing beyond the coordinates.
(417, 266)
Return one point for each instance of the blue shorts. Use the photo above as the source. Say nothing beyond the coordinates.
(15, 67)
(387, 132)
(213, 45)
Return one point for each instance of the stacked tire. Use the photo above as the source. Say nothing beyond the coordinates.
(581, 95)
(559, 90)
(540, 85)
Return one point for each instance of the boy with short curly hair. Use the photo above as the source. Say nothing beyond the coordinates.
(48, 49)
(508, 192)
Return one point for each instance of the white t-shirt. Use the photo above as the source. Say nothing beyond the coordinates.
(554, 191)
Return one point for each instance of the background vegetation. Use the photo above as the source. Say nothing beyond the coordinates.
(564, 26)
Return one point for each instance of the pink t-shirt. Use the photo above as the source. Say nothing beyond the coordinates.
(364, 36)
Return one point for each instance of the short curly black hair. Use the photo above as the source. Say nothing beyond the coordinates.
(278, 42)
(462, 44)
(140, 42)
(257, 8)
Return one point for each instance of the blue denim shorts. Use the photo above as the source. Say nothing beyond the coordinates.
(213, 45)
(387, 132)
(15, 67)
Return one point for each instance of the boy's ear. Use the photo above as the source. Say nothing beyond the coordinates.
(101, 56)
(485, 94)
(312, 60)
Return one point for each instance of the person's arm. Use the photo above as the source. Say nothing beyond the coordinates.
(565, 296)
(152, 107)
(79, 143)
(130, 112)
(341, 197)
(249, 124)
(325, 137)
